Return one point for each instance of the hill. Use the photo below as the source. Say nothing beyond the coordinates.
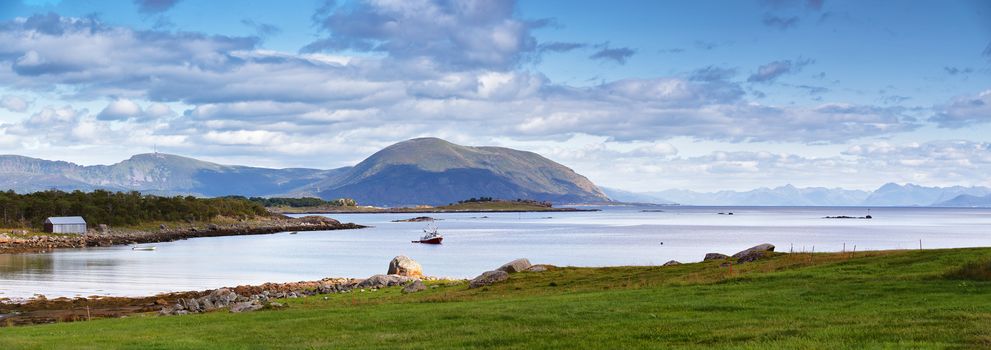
(887, 195)
(421, 171)
(967, 201)
(436, 172)
(914, 195)
(155, 173)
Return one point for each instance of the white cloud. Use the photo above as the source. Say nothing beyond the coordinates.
(964, 111)
(120, 110)
(14, 103)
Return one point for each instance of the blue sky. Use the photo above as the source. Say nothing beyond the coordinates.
(639, 95)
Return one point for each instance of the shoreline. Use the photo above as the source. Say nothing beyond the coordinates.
(272, 295)
(167, 233)
(41, 310)
(434, 211)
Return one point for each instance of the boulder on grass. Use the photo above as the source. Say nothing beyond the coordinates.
(537, 268)
(751, 256)
(404, 266)
(766, 247)
(382, 281)
(672, 263)
(515, 266)
(714, 256)
(245, 306)
(488, 278)
(414, 287)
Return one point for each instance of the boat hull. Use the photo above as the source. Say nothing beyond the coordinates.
(435, 240)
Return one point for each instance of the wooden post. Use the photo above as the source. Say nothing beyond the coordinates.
(920, 244)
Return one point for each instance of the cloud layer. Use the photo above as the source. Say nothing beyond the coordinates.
(382, 71)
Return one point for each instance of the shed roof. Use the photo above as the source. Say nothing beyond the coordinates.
(65, 220)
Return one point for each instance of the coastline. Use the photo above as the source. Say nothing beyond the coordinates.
(41, 310)
(431, 211)
(167, 233)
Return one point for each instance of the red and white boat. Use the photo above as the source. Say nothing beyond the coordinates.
(430, 236)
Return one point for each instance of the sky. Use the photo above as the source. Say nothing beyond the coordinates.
(635, 95)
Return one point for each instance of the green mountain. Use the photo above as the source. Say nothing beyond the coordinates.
(434, 171)
(419, 171)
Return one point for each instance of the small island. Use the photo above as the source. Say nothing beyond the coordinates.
(311, 205)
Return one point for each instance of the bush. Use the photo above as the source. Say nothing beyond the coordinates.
(977, 271)
(299, 202)
(118, 208)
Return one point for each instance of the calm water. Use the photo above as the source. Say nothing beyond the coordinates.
(474, 244)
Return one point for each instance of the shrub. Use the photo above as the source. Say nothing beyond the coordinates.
(977, 271)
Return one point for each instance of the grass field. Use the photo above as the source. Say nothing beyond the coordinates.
(895, 299)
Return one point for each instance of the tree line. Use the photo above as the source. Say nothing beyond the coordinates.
(117, 208)
(299, 202)
(518, 200)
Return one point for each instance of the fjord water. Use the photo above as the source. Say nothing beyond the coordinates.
(476, 242)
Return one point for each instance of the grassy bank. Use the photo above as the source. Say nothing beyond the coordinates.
(894, 299)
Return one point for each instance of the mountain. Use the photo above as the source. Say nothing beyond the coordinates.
(914, 195)
(418, 171)
(780, 196)
(633, 197)
(154, 173)
(887, 195)
(434, 171)
(967, 201)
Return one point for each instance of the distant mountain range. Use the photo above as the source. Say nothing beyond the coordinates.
(419, 171)
(433, 171)
(887, 195)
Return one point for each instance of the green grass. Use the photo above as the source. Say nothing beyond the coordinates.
(895, 299)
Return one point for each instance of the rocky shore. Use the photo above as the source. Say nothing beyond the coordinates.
(104, 236)
(402, 271)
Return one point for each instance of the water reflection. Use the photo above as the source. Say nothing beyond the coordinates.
(19, 265)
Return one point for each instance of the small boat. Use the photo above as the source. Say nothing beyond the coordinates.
(430, 236)
(293, 232)
(143, 248)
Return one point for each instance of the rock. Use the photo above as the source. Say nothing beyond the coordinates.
(488, 278)
(515, 266)
(672, 263)
(414, 287)
(766, 247)
(751, 255)
(192, 304)
(382, 281)
(104, 228)
(714, 256)
(416, 219)
(404, 266)
(537, 268)
(318, 220)
(246, 306)
(221, 297)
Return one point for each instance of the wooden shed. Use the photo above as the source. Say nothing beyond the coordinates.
(65, 224)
